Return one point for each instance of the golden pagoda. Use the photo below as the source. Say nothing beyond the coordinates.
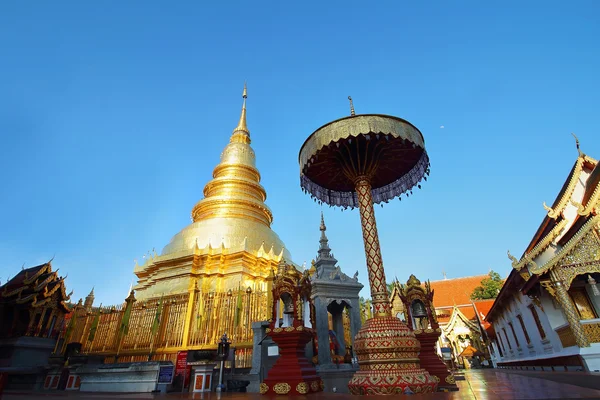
(230, 244)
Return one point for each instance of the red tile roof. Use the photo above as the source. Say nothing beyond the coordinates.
(483, 308)
(457, 291)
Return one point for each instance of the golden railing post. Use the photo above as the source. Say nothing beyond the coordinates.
(189, 314)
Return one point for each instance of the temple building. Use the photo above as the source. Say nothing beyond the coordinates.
(229, 243)
(214, 276)
(546, 315)
(460, 318)
(33, 306)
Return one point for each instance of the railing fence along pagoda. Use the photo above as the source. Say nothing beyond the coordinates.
(185, 322)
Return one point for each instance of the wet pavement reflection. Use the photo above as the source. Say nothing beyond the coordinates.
(477, 384)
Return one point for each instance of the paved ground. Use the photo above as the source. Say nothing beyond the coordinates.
(478, 385)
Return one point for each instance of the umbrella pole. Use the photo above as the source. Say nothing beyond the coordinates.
(377, 282)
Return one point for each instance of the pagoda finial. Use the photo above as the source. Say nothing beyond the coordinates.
(324, 250)
(351, 106)
(242, 127)
(577, 144)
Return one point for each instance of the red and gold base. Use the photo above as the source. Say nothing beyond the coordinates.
(292, 373)
(388, 357)
(432, 362)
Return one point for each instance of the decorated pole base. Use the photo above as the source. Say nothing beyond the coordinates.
(388, 357)
(292, 373)
(431, 362)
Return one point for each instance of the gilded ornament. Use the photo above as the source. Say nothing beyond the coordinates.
(282, 388)
(290, 329)
(450, 379)
(264, 388)
(302, 388)
(551, 213)
(299, 305)
(513, 259)
(314, 386)
(592, 332)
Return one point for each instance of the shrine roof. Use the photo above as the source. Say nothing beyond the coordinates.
(467, 311)
(592, 185)
(580, 221)
(19, 280)
(483, 308)
(456, 291)
(583, 163)
(34, 286)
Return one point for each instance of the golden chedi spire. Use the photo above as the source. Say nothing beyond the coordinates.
(232, 211)
(241, 133)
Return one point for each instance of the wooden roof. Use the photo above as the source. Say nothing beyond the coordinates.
(34, 287)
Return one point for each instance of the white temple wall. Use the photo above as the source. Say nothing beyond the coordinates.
(553, 312)
(538, 347)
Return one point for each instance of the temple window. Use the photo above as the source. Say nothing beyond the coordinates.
(512, 328)
(538, 323)
(527, 339)
(506, 337)
(501, 342)
(499, 348)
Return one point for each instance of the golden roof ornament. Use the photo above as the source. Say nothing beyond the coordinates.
(413, 281)
(241, 133)
(351, 106)
(577, 144)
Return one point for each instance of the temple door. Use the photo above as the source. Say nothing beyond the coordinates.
(582, 303)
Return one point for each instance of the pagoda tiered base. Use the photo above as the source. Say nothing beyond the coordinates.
(432, 362)
(388, 358)
(292, 373)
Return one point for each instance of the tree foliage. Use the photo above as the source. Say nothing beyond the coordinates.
(490, 287)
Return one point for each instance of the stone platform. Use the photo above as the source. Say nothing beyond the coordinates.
(122, 377)
(478, 384)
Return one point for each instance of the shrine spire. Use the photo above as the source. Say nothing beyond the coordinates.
(241, 132)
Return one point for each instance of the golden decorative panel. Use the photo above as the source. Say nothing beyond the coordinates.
(592, 332)
(566, 336)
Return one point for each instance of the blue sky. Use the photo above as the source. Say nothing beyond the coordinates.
(113, 115)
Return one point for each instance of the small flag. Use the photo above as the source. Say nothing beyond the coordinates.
(126, 316)
(156, 323)
(71, 327)
(94, 326)
(200, 312)
(238, 309)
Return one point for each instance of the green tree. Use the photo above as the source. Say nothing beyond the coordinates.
(390, 288)
(490, 287)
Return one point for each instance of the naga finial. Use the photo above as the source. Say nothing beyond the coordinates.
(351, 106)
(577, 144)
(580, 208)
(551, 212)
(512, 258)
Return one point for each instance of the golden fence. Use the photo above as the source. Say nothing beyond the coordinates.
(179, 328)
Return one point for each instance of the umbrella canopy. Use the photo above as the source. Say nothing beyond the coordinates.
(387, 149)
